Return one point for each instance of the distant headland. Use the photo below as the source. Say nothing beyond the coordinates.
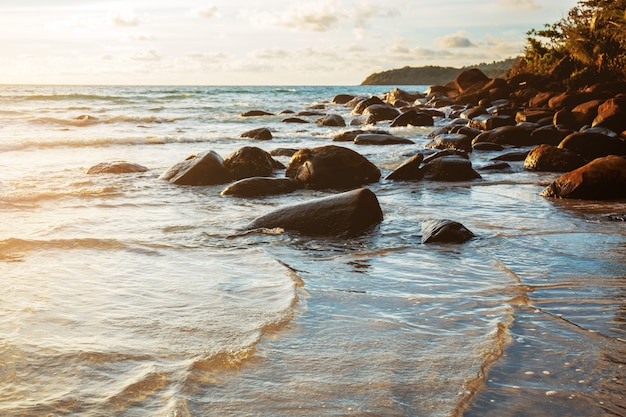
(435, 75)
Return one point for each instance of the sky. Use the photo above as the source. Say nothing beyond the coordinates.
(255, 42)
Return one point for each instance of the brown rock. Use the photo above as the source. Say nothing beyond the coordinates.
(380, 139)
(601, 179)
(506, 135)
(456, 141)
(552, 159)
(261, 133)
(250, 161)
(450, 168)
(409, 170)
(203, 169)
(470, 78)
(612, 114)
(381, 112)
(342, 98)
(413, 118)
(260, 186)
(489, 122)
(117, 167)
(256, 113)
(585, 113)
(333, 120)
(592, 145)
(363, 104)
(445, 231)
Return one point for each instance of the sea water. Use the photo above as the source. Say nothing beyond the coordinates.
(127, 295)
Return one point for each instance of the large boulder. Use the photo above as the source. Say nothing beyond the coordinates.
(456, 141)
(116, 167)
(413, 118)
(342, 98)
(601, 179)
(332, 120)
(612, 114)
(260, 186)
(332, 166)
(381, 112)
(585, 113)
(346, 214)
(470, 78)
(203, 169)
(250, 161)
(445, 231)
(552, 159)
(450, 168)
(360, 107)
(592, 145)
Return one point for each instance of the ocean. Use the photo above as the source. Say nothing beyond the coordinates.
(125, 295)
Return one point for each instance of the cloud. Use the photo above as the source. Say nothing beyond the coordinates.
(125, 19)
(520, 5)
(207, 12)
(271, 53)
(318, 17)
(150, 55)
(455, 40)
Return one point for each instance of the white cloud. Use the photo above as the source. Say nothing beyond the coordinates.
(150, 55)
(271, 53)
(207, 12)
(455, 40)
(318, 17)
(125, 19)
(520, 5)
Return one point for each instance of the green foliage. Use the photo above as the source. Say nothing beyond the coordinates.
(592, 37)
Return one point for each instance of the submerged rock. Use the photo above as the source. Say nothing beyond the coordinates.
(346, 214)
(450, 168)
(445, 231)
(259, 186)
(117, 167)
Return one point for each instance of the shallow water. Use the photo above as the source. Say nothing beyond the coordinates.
(126, 295)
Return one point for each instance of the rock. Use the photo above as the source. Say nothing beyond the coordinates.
(552, 159)
(489, 122)
(533, 115)
(381, 112)
(332, 166)
(333, 120)
(261, 133)
(495, 166)
(592, 145)
(260, 186)
(256, 113)
(452, 141)
(363, 104)
(117, 167)
(283, 152)
(470, 78)
(506, 135)
(250, 161)
(601, 179)
(397, 94)
(449, 168)
(287, 112)
(486, 146)
(293, 120)
(511, 156)
(413, 118)
(445, 231)
(203, 169)
(342, 98)
(349, 135)
(344, 215)
(569, 100)
(564, 118)
(307, 113)
(612, 114)
(380, 139)
(363, 120)
(549, 135)
(585, 113)
(541, 99)
(473, 112)
(409, 170)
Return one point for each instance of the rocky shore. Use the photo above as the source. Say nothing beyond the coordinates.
(581, 134)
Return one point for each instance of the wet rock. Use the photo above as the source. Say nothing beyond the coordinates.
(486, 146)
(398, 94)
(549, 135)
(117, 167)
(409, 170)
(413, 118)
(612, 114)
(450, 168)
(489, 122)
(363, 120)
(364, 104)
(445, 231)
(533, 115)
(601, 179)
(260, 186)
(250, 161)
(451, 141)
(294, 120)
(261, 133)
(511, 156)
(256, 113)
(507, 135)
(381, 112)
(342, 98)
(332, 120)
(306, 113)
(332, 167)
(592, 145)
(350, 135)
(552, 159)
(283, 152)
(495, 166)
(345, 215)
(203, 169)
(380, 139)
(585, 113)
(473, 112)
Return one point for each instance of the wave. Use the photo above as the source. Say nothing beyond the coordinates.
(89, 120)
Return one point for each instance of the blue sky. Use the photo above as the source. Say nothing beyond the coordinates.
(245, 42)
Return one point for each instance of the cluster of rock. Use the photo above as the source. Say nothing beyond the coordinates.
(581, 134)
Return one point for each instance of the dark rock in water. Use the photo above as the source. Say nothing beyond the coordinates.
(342, 98)
(601, 179)
(363, 104)
(309, 113)
(294, 120)
(363, 120)
(489, 122)
(464, 130)
(346, 214)
(256, 113)
(259, 186)
(495, 166)
(332, 167)
(511, 156)
(549, 135)
(487, 146)
(409, 170)
(612, 114)
(592, 145)
(333, 120)
(413, 118)
(350, 135)
(507, 135)
(552, 159)
(203, 169)
(380, 139)
(381, 112)
(450, 168)
(287, 112)
(456, 141)
(445, 152)
(261, 133)
(445, 231)
(283, 152)
(117, 167)
(250, 161)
